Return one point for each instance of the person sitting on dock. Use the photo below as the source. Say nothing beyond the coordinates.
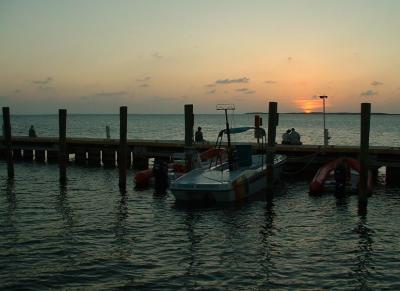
(286, 137)
(294, 137)
(32, 132)
(198, 137)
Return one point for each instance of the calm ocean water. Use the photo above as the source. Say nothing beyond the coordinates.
(344, 129)
(88, 235)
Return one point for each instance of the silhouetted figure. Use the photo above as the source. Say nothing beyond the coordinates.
(198, 137)
(286, 137)
(32, 132)
(108, 131)
(160, 172)
(294, 137)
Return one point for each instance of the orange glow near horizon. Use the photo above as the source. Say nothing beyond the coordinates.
(308, 106)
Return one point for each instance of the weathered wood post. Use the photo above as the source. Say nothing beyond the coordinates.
(123, 146)
(189, 122)
(272, 123)
(364, 148)
(62, 143)
(7, 141)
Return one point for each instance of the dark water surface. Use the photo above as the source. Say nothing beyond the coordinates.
(87, 235)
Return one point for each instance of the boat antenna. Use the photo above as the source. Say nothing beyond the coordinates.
(227, 107)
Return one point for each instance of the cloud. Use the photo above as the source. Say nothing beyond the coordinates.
(46, 81)
(157, 56)
(376, 83)
(211, 91)
(209, 85)
(245, 91)
(369, 93)
(144, 79)
(270, 82)
(145, 85)
(290, 59)
(16, 91)
(314, 97)
(106, 95)
(232, 81)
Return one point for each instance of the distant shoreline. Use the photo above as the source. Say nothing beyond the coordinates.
(245, 113)
(327, 113)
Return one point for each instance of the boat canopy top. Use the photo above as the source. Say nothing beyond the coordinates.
(236, 130)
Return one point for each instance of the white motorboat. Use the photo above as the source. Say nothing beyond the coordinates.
(241, 176)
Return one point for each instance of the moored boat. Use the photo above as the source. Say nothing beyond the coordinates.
(241, 176)
(338, 175)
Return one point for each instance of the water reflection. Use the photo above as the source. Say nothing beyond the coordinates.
(64, 209)
(190, 222)
(267, 234)
(365, 252)
(11, 202)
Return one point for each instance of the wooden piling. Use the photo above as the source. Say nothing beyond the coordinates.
(40, 156)
(123, 146)
(272, 123)
(93, 158)
(17, 154)
(140, 163)
(28, 155)
(108, 158)
(62, 151)
(364, 148)
(392, 176)
(189, 123)
(80, 156)
(7, 142)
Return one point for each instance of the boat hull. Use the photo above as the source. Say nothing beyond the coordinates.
(248, 183)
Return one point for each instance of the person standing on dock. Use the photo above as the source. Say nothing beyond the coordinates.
(198, 137)
(32, 132)
(108, 131)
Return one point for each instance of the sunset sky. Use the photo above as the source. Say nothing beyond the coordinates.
(156, 56)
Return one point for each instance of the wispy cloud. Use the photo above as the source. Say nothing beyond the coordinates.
(270, 82)
(145, 85)
(290, 59)
(376, 83)
(144, 79)
(43, 82)
(157, 56)
(245, 91)
(233, 81)
(211, 91)
(106, 95)
(209, 85)
(369, 93)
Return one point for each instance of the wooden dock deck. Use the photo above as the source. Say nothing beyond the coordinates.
(93, 147)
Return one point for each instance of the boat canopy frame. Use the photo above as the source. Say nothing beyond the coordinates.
(236, 130)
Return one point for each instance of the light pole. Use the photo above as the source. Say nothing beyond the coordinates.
(325, 130)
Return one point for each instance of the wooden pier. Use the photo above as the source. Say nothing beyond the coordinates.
(103, 152)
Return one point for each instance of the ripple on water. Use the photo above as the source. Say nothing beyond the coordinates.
(88, 235)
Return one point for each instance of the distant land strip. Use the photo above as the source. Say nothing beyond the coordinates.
(327, 113)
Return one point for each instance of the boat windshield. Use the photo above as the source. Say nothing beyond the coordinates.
(236, 130)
